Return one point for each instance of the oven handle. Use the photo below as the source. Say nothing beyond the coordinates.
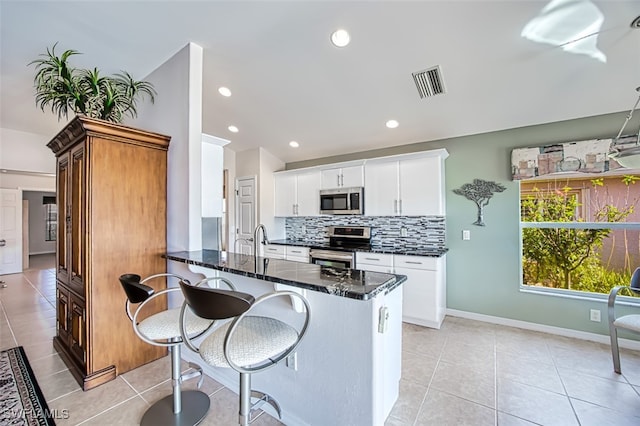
(330, 255)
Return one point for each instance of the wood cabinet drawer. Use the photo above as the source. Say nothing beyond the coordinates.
(381, 259)
(416, 262)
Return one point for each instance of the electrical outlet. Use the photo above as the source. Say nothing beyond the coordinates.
(304, 229)
(466, 234)
(292, 361)
(403, 232)
(595, 315)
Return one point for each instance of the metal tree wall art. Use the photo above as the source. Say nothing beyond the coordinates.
(480, 192)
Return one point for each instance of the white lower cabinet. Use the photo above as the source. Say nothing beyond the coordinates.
(424, 297)
(274, 251)
(297, 254)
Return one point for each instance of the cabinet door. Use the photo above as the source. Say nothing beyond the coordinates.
(297, 254)
(62, 313)
(274, 251)
(352, 176)
(331, 178)
(420, 297)
(285, 194)
(421, 188)
(64, 219)
(381, 188)
(77, 329)
(76, 233)
(308, 190)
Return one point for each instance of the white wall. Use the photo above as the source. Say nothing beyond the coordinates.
(230, 164)
(37, 243)
(26, 152)
(177, 112)
(28, 181)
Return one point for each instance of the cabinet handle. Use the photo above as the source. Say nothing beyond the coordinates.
(395, 206)
(296, 251)
(294, 209)
(372, 258)
(341, 180)
(400, 207)
(413, 263)
(338, 179)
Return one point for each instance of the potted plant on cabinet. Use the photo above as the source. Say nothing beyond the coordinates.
(84, 91)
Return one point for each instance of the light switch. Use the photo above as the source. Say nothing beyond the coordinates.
(466, 234)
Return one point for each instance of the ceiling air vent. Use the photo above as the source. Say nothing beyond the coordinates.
(429, 82)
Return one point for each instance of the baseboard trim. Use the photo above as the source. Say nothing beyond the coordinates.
(566, 332)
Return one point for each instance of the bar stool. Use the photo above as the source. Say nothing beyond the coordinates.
(164, 329)
(247, 344)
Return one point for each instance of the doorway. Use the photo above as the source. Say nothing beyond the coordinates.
(246, 212)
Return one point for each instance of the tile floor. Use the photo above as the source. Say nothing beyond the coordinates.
(467, 373)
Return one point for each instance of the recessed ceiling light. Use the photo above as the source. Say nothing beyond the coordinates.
(294, 144)
(233, 129)
(224, 91)
(392, 124)
(340, 38)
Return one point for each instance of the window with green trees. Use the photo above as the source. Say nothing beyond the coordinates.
(580, 234)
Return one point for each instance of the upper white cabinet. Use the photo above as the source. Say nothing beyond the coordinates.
(408, 185)
(297, 193)
(343, 177)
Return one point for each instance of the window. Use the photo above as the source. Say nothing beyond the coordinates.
(580, 234)
(50, 218)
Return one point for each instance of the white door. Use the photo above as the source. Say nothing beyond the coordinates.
(245, 214)
(10, 231)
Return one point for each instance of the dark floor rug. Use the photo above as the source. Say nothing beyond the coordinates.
(21, 400)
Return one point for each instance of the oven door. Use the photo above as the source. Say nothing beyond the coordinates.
(334, 259)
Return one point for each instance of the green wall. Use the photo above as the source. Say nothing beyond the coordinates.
(483, 274)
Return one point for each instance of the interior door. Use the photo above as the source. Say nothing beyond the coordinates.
(10, 231)
(246, 214)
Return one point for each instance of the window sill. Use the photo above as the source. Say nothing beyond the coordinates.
(579, 295)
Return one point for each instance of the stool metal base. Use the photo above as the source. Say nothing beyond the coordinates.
(195, 405)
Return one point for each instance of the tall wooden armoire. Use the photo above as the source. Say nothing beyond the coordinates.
(112, 216)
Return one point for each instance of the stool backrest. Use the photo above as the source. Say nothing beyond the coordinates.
(136, 292)
(635, 281)
(215, 304)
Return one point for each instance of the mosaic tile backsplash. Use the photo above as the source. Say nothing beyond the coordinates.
(423, 232)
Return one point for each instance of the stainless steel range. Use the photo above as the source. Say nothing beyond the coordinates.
(344, 241)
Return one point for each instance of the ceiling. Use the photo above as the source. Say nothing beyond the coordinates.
(290, 83)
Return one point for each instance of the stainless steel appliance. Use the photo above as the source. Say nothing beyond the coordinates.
(344, 241)
(342, 201)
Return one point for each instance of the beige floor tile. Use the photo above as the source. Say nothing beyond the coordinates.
(418, 368)
(409, 401)
(48, 365)
(505, 419)
(540, 375)
(422, 340)
(209, 386)
(40, 349)
(535, 404)
(447, 410)
(128, 413)
(594, 415)
(57, 385)
(461, 351)
(223, 410)
(152, 374)
(471, 382)
(612, 394)
(84, 405)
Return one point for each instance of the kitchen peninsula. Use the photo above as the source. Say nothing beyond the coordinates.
(347, 368)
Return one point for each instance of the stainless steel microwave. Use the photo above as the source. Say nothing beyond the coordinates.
(342, 201)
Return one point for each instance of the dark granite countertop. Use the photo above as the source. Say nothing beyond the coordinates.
(375, 249)
(354, 284)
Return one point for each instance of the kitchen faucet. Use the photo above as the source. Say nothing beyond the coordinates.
(265, 239)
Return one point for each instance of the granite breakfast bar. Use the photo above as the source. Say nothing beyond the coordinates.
(347, 368)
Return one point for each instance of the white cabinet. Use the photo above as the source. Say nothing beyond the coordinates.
(424, 297)
(342, 177)
(405, 185)
(297, 194)
(274, 251)
(297, 254)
